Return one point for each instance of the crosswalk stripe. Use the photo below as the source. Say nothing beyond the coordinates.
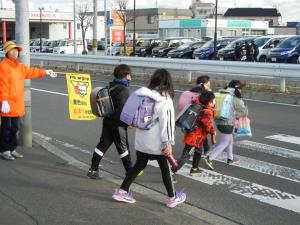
(285, 138)
(265, 168)
(268, 149)
(244, 188)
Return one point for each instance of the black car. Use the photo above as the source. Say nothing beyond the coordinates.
(145, 47)
(207, 50)
(186, 50)
(228, 53)
(169, 44)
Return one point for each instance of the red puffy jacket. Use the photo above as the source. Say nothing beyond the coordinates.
(205, 123)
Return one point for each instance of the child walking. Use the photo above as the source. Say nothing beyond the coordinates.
(234, 107)
(155, 143)
(195, 139)
(113, 129)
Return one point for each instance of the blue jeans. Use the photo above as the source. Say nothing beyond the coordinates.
(8, 133)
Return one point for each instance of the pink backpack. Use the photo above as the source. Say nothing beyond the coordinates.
(186, 98)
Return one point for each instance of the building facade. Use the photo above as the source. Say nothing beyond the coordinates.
(206, 27)
(272, 15)
(202, 10)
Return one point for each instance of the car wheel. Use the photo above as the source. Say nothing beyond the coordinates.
(262, 59)
(62, 52)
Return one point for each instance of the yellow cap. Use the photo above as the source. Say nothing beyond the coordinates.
(9, 45)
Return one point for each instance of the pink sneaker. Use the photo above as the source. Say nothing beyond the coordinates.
(179, 198)
(123, 196)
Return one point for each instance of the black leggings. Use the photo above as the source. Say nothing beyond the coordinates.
(141, 163)
(188, 151)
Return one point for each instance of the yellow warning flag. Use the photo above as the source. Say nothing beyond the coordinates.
(79, 90)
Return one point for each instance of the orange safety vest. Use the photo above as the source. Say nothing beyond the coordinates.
(12, 77)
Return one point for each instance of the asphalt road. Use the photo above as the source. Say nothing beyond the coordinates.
(263, 189)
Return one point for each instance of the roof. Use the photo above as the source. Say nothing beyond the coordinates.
(252, 12)
(156, 11)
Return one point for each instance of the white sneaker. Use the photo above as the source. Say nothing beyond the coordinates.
(7, 155)
(16, 154)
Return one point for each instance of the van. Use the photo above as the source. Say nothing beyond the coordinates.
(67, 47)
(265, 44)
(287, 51)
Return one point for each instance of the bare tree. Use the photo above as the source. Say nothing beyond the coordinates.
(84, 16)
(125, 15)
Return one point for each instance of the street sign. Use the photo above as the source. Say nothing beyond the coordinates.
(110, 22)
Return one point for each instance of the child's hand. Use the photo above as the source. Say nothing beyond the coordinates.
(168, 150)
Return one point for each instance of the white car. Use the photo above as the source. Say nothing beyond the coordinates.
(266, 43)
(35, 47)
(67, 47)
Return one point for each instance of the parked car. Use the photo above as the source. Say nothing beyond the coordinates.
(299, 60)
(265, 44)
(101, 44)
(145, 49)
(288, 51)
(115, 49)
(228, 53)
(35, 47)
(67, 47)
(207, 50)
(168, 44)
(51, 46)
(186, 50)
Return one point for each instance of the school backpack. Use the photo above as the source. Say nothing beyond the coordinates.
(187, 118)
(101, 101)
(222, 107)
(138, 112)
(186, 98)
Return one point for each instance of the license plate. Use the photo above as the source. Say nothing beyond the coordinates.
(273, 59)
(221, 58)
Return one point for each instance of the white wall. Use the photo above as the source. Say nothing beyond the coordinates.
(58, 31)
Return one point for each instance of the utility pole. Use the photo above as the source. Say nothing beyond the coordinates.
(75, 26)
(41, 9)
(22, 38)
(105, 27)
(95, 28)
(216, 30)
(133, 27)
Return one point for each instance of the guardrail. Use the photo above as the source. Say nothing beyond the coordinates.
(282, 71)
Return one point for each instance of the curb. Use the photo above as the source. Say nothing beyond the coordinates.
(199, 214)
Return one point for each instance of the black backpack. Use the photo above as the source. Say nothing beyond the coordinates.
(101, 101)
(187, 118)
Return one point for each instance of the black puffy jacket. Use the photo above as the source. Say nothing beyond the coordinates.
(119, 96)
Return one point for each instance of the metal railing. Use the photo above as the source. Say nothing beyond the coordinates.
(270, 70)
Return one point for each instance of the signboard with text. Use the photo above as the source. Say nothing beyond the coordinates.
(79, 90)
(117, 28)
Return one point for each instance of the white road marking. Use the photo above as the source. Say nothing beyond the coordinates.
(268, 149)
(285, 138)
(46, 91)
(265, 168)
(244, 188)
(228, 183)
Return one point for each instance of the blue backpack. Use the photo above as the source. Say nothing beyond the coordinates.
(138, 112)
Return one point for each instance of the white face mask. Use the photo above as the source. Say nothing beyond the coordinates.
(13, 54)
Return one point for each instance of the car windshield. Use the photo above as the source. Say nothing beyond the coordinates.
(174, 43)
(261, 41)
(232, 44)
(208, 44)
(186, 45)
(45, 43)
(289, 43)
(62, 43)
(164, 44)
(144, 43)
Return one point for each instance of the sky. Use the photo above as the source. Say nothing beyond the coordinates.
(289, 9)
